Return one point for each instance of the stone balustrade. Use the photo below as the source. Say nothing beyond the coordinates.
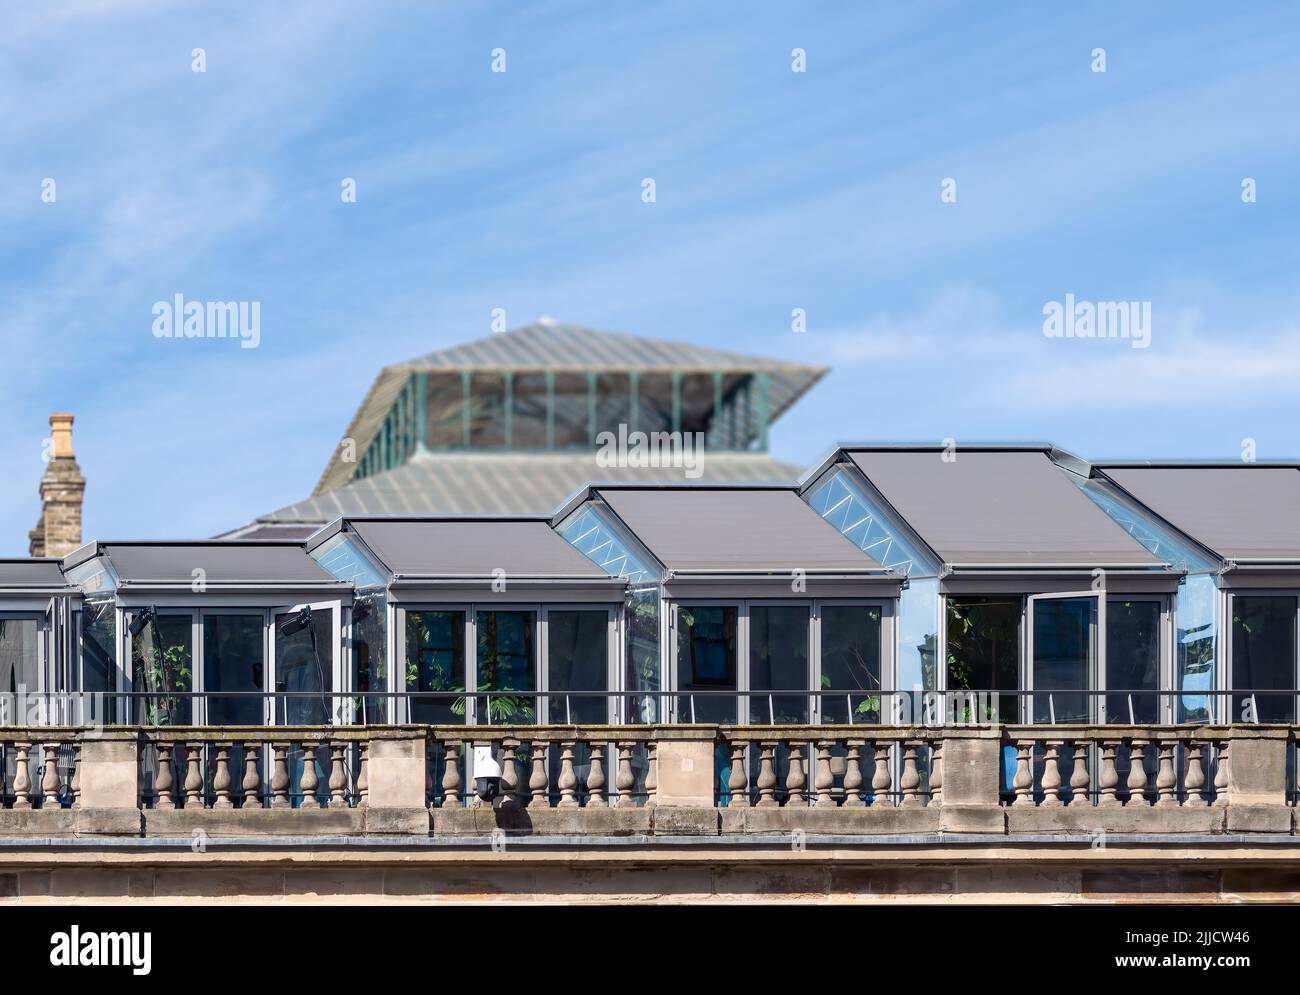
(253, 768)
(656, 780)
(39, 772)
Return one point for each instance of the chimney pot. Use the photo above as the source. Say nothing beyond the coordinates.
(61, 435)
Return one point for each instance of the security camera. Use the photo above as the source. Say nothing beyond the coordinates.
(487, 774)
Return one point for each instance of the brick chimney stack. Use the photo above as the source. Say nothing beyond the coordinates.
(62, 488)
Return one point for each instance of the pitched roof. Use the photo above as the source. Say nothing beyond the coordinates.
(500, 484)
(553, 346)
(1003, 507)
(733, 528)
(465, 548)
(1241, 512)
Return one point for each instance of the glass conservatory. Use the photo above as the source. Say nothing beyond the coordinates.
(489, 621)
(1239, 523)
(1026, 602)
(758, 613)
(35, 609)
(207, 633)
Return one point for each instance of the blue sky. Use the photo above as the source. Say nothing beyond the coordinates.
(775, 190)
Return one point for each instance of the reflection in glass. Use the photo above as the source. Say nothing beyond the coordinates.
(369, 663)
(1195, 608)
(99, 660)
(505, 662)
(435, 661)
(19, 669)
(1063, 657)
(918, 637)
(304, 666)
(778, 661)
(577, 659)
(706, 661)
(850, 638)
(162, 657)
(233, 660)
(1132, 660)
(1263, 657)
(984, 655)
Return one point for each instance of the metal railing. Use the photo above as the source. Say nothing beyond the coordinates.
(782, 706)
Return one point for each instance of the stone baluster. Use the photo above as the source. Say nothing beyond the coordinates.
(163, 783)
(936, 772)
(568, 783)
(509, 761)
(539, 781)
(1195, 779)
(338, 782)
(796, 777)
(1108, 777)
(1022, 785)
(1137, 772)
(767, 775)
(824, 781)
(221, 779)
(882, 780)
(652, 775)
(853, 774)
(252, 783)
(22, 776)
(1080, 779)
(910, 781)
(451, 775)
(74, 778)
(193, 786)
(1052, 773)
(50, 778)
(280, 775)
(309, 781)
(625, 778)
(1166, 781)
(596, 774)
(363, 775)
(738, 776)
(1221, 774)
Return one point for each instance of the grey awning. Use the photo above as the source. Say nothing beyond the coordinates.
(1012, 508)
(466, 548)
(35, 574)
(259, 564)
(735, 531)
(1241, 512)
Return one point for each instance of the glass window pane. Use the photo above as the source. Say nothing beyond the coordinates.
(369, 663)
(850, 639)
(613, 402)
(577, 659)
(984, 656)
(778, 661)
(1063, 657)
(506, 661)
(233, 660)
(528, 411)
(1132, 660)
(572, 407)
(655, 402)
(162, 663)
(1196, 610)
(444, 411)
(706, 661)
(1263, 656)
(20, 661)
(487, 411)
(99, 660)
(304, 663)
(435, 661)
